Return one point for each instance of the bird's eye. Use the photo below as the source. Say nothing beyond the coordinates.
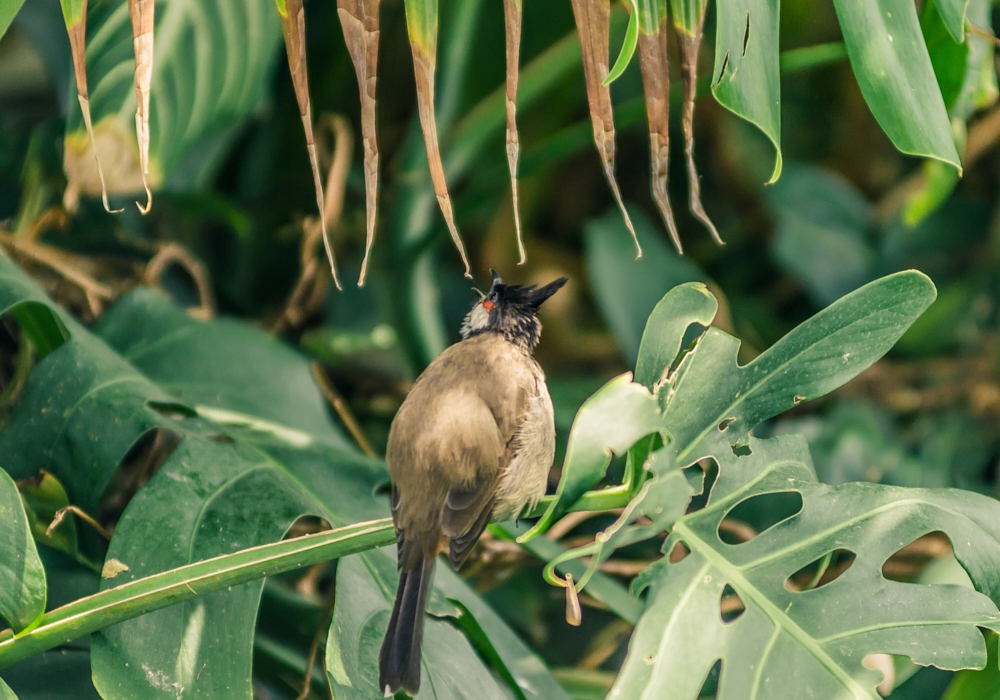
(488, 305)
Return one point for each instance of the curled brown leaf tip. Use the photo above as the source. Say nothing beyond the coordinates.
(293, 26)
(574, 613)
(141, 12)
(656, 86)
(423, 68)
(77, 43)
(512, 22)
(689, 46)
(359, 20)
(592, 26)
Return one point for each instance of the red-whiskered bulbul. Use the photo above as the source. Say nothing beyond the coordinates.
(472, 444)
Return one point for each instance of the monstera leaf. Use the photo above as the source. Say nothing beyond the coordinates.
(815, 638)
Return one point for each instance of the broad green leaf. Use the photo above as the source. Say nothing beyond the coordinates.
(626, 289)
(222, 364)
(953, 14)
(23, 299)
(52, 675)
(711, 394)
(22, 576)
(814, 638)
(8, 11)
(746, 77)
(214, 61)
(5, 692)
(894, 72)
(978, 685)
(531, 678)
(680, 308)
(366, 586)
(610, 422)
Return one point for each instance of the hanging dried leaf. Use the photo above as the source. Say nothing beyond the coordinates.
(360, 22)
(592, 25)
(652, 16)
(293, 25)
(421, 25)
(512, 21)
(75, 15)
(141, 14)
(689, 20)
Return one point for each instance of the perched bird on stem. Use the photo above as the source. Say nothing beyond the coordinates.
(472, 444)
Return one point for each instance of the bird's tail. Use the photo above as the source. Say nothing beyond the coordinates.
(399, 660)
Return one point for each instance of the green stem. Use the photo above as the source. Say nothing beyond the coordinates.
(114, 605)
(795, 60)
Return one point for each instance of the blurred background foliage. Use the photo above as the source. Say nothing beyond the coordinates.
(849, 207)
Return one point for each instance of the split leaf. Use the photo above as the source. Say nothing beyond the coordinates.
(360, 21)
(652, 22)
(787, 633)
(141, 12)
(422, 26)
(293, 26)
(592, 26)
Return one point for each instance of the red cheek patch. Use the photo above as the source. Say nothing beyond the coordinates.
(488, 305)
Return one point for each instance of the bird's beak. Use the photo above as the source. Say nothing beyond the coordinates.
(539, 295)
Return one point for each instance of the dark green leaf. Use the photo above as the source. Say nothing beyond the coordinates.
(627, 289)
(220, 364)
(817, 638)
(59, 674)
(711, 394)
(610, 422)
(746, 77)
(894, 71)
(681, 307)
(22, 576)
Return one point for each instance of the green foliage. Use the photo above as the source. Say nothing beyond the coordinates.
(22, 578)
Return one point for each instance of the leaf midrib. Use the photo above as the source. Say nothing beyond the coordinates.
(744, 587)
(742, 395)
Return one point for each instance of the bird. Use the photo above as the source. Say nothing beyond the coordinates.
(471, 444)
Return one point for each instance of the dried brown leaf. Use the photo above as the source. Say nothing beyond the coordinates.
(512, 22)
(423, 68)
(360, 22)
(592, 26)
(78, 46)
(141, 14)
(293, 25)
(689, 44)
(656, 85)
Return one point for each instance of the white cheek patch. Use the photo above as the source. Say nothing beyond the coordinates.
(475, 320)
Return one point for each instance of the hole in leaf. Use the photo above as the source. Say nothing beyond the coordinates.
(710, 471)
(752, 516)
(741, 450)
(142, 461)
(824, 570)
(710, 688)
(746, 34)
(172, 411)
(220, 438)
(929, 559)
(885, 664)
(726, 422)
(797, 399)
(678, 553)
(725, 64)
(731, 606)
